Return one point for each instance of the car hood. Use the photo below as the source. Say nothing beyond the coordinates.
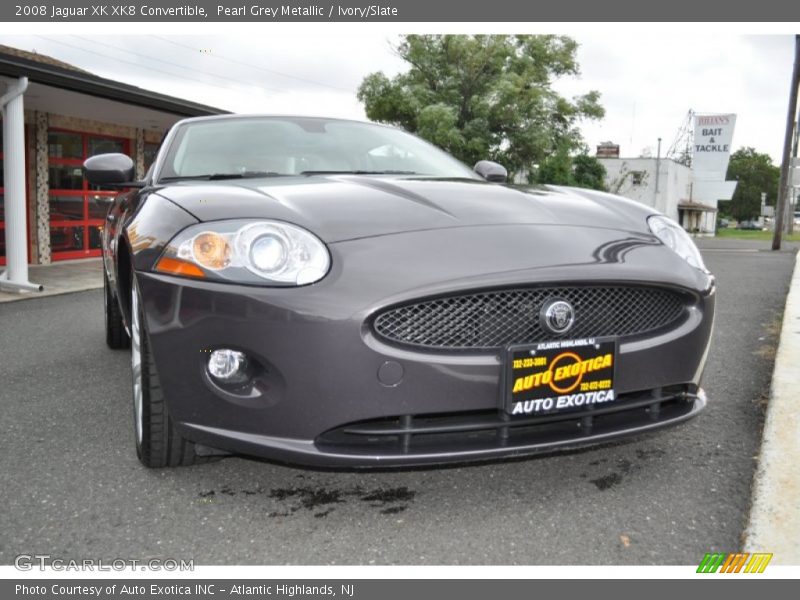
(346, 207)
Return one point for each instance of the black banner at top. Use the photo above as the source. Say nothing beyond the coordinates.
(399, 11)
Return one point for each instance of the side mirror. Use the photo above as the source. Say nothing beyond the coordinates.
(491, 171)
(108, 169)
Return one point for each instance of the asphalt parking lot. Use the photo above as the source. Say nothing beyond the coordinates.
(71, 487)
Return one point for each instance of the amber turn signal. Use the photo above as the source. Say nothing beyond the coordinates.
(175, 266)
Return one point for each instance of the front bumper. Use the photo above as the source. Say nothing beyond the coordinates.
(323, 374)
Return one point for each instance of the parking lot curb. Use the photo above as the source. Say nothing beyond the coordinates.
(16, 296)
(63, 277)
(774, 524)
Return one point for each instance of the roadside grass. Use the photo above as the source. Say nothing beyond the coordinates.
(740, 234)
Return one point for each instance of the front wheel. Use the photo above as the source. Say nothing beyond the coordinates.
(158, 442)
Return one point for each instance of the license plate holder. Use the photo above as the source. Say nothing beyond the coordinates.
(559, 376)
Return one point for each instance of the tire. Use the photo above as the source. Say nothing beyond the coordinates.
(116, 335)
(158, 442)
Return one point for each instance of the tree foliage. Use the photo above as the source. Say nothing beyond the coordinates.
(588, 172)
(487, 97)
(580, 170)
(756, 174)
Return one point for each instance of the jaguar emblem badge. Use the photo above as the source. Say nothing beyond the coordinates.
(557, 316)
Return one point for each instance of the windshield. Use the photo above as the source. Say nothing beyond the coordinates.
(279, 146)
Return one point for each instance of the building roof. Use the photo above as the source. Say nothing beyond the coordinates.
(698, 206)
(653, 159)
(49, 71)
(42, 58)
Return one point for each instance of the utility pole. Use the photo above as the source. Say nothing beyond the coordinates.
(789, 204)
(781, 208)
(794, 174)
(658, 171)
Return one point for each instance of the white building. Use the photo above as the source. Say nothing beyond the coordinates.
(663, 184)
(688, 195)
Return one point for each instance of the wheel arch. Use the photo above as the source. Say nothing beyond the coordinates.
(124, 278)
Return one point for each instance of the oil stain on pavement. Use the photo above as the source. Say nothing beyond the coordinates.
(623, 468)
(322, 501)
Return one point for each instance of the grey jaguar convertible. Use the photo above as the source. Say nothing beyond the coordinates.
(338, 293)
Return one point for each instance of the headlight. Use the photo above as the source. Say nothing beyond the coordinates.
(674, 236)
(247, 251)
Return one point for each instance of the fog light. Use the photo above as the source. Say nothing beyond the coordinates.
(228, 366)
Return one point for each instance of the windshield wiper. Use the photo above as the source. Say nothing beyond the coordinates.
(358, 172)
(219, 176)
(245, 175)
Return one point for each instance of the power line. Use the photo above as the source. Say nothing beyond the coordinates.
(166, 62)
(227, 90)
(257, 67)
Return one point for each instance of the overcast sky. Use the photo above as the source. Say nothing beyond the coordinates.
(647, 82)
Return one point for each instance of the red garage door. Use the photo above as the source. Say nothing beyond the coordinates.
(77, 210)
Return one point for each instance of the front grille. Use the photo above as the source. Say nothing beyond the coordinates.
(487, 429)
(495, 319)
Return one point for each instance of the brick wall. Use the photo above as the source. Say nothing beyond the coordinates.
(87, 126)
(40, 224)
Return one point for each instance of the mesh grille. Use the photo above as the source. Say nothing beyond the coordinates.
(495, 319)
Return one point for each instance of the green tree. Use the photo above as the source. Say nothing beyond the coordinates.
(485, 97)
(588, 172)
(756, 174)
(580, 170)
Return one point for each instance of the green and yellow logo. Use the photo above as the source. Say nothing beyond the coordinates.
(737, 562)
